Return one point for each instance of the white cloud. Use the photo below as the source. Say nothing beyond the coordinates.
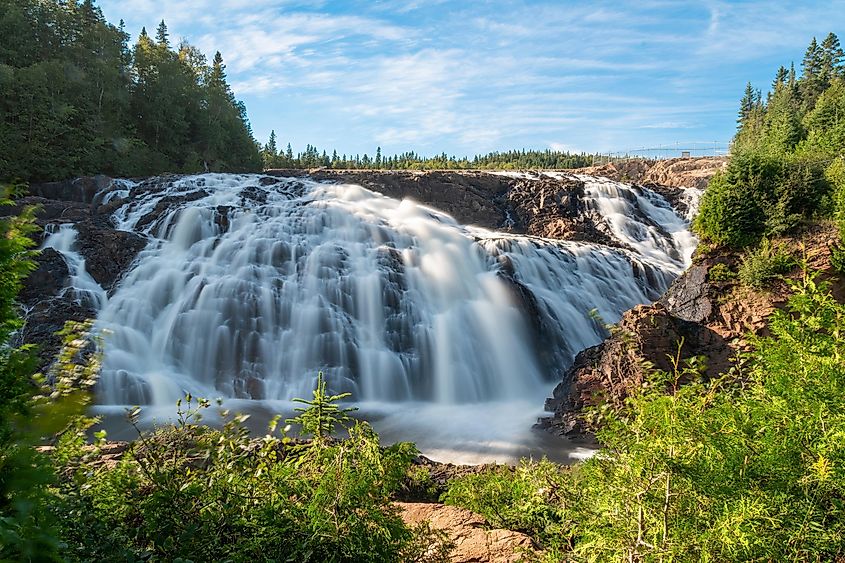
(433, 75)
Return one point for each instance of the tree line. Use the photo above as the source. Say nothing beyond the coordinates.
(76, 98)
(273, 157)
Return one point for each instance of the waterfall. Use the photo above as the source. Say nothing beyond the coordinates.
(250, 285)
(253, 287)
(83, 288)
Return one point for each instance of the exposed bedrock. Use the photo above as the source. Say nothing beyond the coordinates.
(697, 316)
(107, 251)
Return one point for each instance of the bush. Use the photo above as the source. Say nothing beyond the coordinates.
(194, 493)
(835, 175)
(749, 466)
(720, 273)
(767, 262)
(760, 195)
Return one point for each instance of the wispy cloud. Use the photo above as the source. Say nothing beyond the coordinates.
(444, 75)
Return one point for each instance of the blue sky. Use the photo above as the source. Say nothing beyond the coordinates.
(470, 77)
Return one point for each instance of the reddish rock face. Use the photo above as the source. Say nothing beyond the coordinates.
(673, 172)
(474, 541)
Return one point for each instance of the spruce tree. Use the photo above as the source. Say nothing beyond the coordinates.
(162, 36)
(746, 105)
(831, 58)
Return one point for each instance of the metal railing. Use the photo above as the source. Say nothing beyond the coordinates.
(680, 149)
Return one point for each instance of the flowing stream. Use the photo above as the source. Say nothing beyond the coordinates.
(446, 334)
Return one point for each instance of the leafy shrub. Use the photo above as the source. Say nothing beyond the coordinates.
(760, 194)
(720, 273)
(749, 466)
(765, 263)
(528, 498)
(835, 175)
(730, 213)
(837, 258)
(192, 492)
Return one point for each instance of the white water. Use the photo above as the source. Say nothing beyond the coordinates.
(249, 291)
(84, 289)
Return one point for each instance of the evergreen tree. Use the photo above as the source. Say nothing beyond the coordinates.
(780, 80)
(746, 105)
(270, 154)
(75, 99)
(162, 37)
(831, 58)
(812, 79)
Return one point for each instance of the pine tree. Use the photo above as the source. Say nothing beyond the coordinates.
(812, 61)
(812, 81)
(780, 79)
(162, 37)
(746, 105)
(271, 144)
(270, 154)
(831, 58)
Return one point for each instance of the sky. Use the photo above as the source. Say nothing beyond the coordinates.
(469, 77)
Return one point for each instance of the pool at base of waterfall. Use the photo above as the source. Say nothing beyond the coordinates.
(494, 432)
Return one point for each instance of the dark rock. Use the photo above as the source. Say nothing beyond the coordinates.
(80, 190)
(166, 204)
(256, 195)
(688, 296)
(468, 196)
(646, 337)
(45, 319)
(108, 252)
(47, 280)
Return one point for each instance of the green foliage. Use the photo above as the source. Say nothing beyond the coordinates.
(729, 469)
(720, 273)
(765, 263)
(776, 177)
(75, 99)
(191, 492)
(731, 211)
(322, 416)
(526, 498)
(30, 410)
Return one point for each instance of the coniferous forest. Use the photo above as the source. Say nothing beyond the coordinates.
(786, 162)
(76, 98)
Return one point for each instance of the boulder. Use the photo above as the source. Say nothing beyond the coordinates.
(474, 541)
(81, 190)
(108, 252)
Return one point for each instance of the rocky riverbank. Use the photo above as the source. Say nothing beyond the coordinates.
(701, 315)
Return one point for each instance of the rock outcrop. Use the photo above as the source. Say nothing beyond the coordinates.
(697, 316)
(532, 203)
(107, 251)
(673, 172)
(549, 205)
(474, 541)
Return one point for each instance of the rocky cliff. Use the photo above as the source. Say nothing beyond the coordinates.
(541, 204)
(673, 172)
(702, 314)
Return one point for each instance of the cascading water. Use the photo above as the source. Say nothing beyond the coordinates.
(83, 288)
(257, 284)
